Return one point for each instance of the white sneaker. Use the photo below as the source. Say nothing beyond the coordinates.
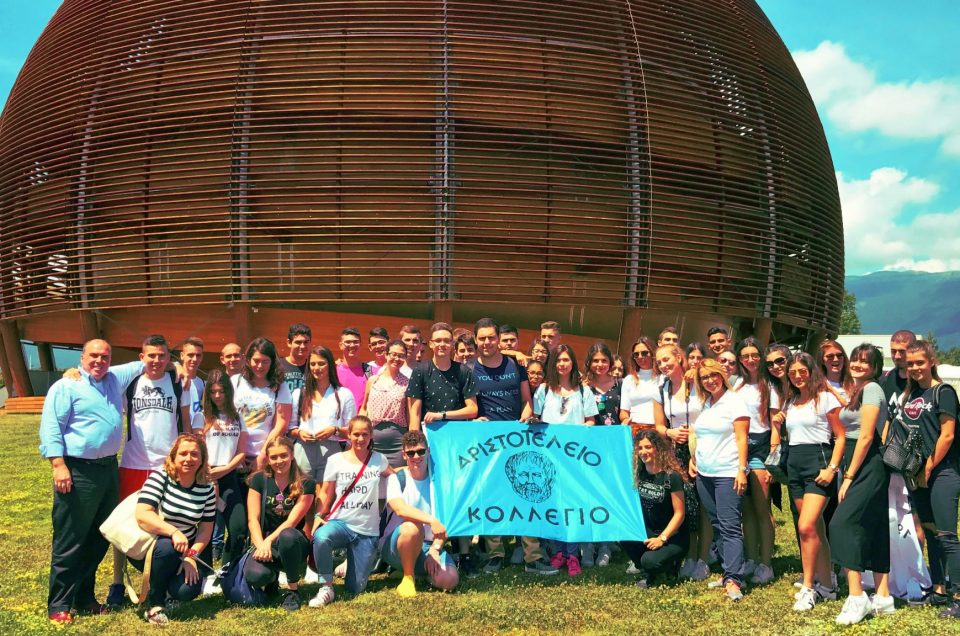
(825, 593)
(631, 568)
(211, 586)
(516, 558)
(700, 571)
(324, 597)
(282, 579)
(340, 571)
(882, 605)
(686, 568)
(749, 567)
(763, 574)
(806, 599)
(715, 584)
(603, 557)
(310, 577)
(855, 609)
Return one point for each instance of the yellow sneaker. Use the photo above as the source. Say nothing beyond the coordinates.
(407, 588)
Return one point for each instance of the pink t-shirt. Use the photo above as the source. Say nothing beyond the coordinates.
(354, 379)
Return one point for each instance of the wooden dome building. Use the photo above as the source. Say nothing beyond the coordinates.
(226, 167)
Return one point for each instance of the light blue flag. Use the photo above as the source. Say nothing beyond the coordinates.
(564, 482)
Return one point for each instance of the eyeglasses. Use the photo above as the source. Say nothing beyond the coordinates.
(416, 452)
(799, 373)
(749, 356)
(776, 362)
(711, 377)
(396, 356)
(642, 354)
(833, 356)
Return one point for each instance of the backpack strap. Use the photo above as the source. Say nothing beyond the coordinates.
(131, 390)
(178, 394)
(367, 369)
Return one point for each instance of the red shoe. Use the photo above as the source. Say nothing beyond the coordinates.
(573, 566)
(60, 618)
(558, 560)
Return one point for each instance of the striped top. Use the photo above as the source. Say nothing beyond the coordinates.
(184, 508)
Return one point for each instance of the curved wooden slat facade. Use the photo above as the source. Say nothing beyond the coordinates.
(591, 157)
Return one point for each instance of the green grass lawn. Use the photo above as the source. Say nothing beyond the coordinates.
(599, 601)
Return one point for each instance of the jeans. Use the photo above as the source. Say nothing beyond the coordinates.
(289, 553)
(166, 577)
(723, 505)
(361, 551)
(568, 549)
(939, 502)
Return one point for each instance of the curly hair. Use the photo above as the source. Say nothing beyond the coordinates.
(664, 457)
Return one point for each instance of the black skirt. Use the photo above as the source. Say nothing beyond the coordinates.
(860, 528)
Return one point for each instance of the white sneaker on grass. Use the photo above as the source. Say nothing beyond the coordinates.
(855, 609)
(882, 605)
(310, 577)
(826, 593)
(806, 599)
(603, 557)
(631, 568)
(324, 597)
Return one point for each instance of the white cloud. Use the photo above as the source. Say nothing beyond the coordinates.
(878, 232)
(849, 94)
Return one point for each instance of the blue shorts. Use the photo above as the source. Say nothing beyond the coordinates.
(390, 554)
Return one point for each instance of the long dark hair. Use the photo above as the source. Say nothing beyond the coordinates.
(780, 385)
(869, 354)
(634, 365)
(211, 411)
(763, 386)
(595, 348)
(816, 382)
(553, 377)
(663, 453)
(267, 348)
(310, 383)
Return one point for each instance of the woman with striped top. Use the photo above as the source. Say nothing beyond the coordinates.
(177, 504)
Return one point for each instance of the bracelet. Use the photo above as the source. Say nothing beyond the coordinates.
(834, 468)
(190, 554)
(847, 475)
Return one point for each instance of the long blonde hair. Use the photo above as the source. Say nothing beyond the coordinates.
(295, 475)
(203, 471)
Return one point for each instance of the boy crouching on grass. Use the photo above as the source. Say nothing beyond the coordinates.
(413, 538)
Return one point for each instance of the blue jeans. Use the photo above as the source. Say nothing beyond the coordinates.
(568, 549)
(723, 505)
(361, 551)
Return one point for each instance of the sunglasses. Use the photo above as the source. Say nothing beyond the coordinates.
(777, 362)
(711, 377)
(833, 356)
(749, 356)
(642, 354)
(416, 452)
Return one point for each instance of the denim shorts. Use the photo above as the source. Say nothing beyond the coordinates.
(391, 555)
(758, 449)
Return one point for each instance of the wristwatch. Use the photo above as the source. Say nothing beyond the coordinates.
(443, 416)
(834, 468)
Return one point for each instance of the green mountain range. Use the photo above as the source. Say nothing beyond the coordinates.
(919, 301)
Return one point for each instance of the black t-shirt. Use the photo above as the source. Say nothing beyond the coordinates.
(278, 505)
(292, 375)
(441, 390)
(920, 411)
(893, 386)
(608, 404)
(656, 501)
(498, 390)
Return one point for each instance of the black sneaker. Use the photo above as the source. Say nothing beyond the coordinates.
(116, 596)
(467, 567)
(932, 598)
(494, 565)
(541, 567)
(291, 601)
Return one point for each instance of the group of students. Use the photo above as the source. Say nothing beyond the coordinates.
(283, 458)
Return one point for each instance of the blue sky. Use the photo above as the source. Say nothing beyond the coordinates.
(885, 75)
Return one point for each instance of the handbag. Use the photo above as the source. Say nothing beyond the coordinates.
(124, 533)
(903, 452)
(232, 580)
(776, 462)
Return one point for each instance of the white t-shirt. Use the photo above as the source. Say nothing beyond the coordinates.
(679, 407)
(154, 424)
(717, 454)
(196, 403)
(360, 510)
(838, 387)
(324, 412)
(751, 396)
(257, 407)
(416, 493)
(638, 394)
(807, 424)
(406, 370)
(555, 408)
(222, 440)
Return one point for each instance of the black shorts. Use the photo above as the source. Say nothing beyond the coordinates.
(804, 462)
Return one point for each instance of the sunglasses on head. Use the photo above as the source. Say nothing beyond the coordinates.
(776, 362)
(416, 452)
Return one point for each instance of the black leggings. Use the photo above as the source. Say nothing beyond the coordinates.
(164, 576)
(650, 562)
(233, 492)
(938, 504)
(289, 553)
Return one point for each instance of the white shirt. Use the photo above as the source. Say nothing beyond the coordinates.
(222, 440)
(324, 412)
(360, 510)
(751, 396)
(807, 424)
(154, 424)
(257, 407)
(679, 406)
(638, 395)
(555, 408)
(717, 454)
(416, 493)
